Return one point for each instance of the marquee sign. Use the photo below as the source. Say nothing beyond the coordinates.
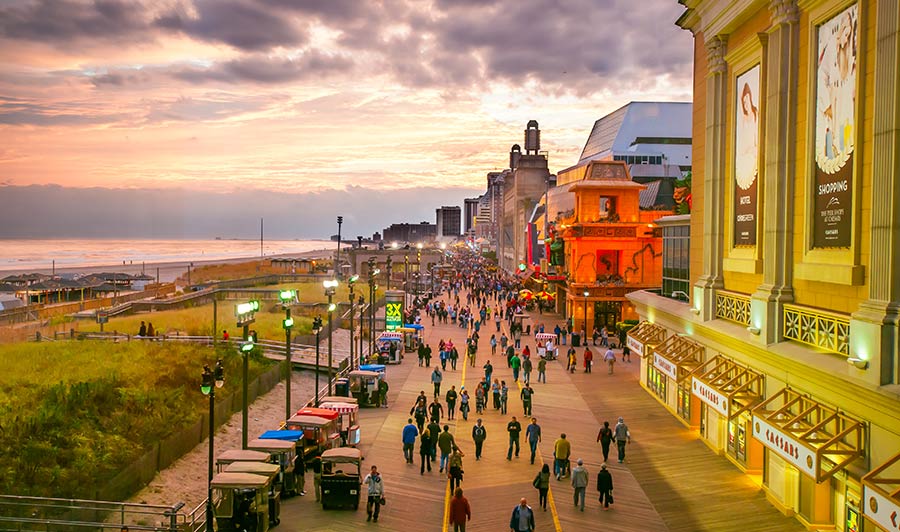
(393, 315)
(785, 446)
(710, 396)
(881, 510)
(665, 366)
(635, 346)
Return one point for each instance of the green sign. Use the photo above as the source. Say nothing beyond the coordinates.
(393, 316)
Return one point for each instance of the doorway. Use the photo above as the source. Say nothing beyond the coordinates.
(607, 313)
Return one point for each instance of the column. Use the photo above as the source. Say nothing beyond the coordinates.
(713, 178)
(873, 328)
(779, 141)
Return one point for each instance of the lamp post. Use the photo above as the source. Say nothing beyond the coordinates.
(371, 271)
(351, 282)
(209, 382)
(362, 301)
(418, 268)
(330, 287)
(586, 294)
(246, 315)
(337, 256)
(317, 328)
(389, 265)
(287, 297)
(406, 278)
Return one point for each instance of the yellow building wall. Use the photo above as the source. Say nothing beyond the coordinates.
(831, 296)
(698, 145)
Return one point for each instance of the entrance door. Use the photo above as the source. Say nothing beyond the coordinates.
(607, 313)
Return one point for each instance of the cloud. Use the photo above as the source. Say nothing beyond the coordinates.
(243, 25)
(267, 69)
(63, 21)
(21, 112)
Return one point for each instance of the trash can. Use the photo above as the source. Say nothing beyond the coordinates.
(576, 339)
(342, 387)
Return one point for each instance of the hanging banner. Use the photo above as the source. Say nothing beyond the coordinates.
(746, 157)
(665, 366)
(710, 396)
(836, 69)
(785, 446)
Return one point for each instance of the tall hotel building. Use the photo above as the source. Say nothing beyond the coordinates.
(785, 359)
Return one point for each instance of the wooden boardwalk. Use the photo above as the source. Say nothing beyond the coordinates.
(670, 481)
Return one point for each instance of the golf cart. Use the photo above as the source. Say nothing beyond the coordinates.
(282, 453)
(363, 384)
(349, 415)
(241, 501)
(270, 471)
(341, 478)
(238, 455)
(319, 434)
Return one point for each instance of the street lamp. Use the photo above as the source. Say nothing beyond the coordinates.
(246, 315)
(209, 382)
(586, 294)
(362, 302)
(337, 257)
(317, 328)
(389, 264)
(406, 278)
(351, 282)
(288, 298)
(330, 287)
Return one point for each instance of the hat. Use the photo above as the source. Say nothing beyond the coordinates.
(580, 461)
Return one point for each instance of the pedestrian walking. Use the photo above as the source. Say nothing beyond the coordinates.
(533, 434)
(479, 399)
(493, 345)
(622, 436)
(610, 359)
(514, 428)
(526, 370)
(460, 511)
(410, 432)
(451, 402)
(375, 488)
(526, 394)
(522, 519)
(446, 443)
(488, 370)
(504, 396)
(605, 437)
(504, 341)
(317, 477)
(454, 357)
(561, 451)
(425, 451)
(605, 486)
(464, 403)
(626, 353)
(436, 411)
(455, 468)
(495, 392)
(436, 378)
(572, 360)
(580, 479)
(542, 371)
(515, 363)
(434, 430)
(479, 434)
(541, 483)
(588, 360)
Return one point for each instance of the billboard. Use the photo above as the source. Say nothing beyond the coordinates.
(746, 157)
(835, 129)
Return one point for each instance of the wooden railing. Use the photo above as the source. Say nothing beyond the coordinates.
(733, 307)
(818, 328)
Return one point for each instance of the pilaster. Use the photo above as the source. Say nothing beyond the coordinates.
(713, 178)
(874, 327)
(779, 145)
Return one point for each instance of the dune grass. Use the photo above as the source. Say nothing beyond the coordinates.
(73, 414)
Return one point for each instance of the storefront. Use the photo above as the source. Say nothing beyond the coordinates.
(809, 468)
(881, 497)
(641, 340)
(727, 392)
(670, 376)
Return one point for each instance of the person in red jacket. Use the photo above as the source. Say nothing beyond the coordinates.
(588, 360)
(460, 512)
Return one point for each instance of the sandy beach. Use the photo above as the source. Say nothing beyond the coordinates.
(166, 271)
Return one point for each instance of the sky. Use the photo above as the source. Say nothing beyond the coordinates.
(315, 105)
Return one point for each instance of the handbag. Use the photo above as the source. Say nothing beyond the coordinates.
(609, 498)
(537, 482)
(382, 501)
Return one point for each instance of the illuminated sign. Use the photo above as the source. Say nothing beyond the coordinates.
(785, 446)
(881, 510)
(393, 315)
(710, 396)
(664, 366)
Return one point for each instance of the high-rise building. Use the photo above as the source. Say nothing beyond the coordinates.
(410, 233)
(776, 335)
(448, 221)
(470, 212)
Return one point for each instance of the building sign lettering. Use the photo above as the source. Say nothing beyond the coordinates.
(665, 366)
(785, 446)
(710, 396)
(393, 315)
(883, 511)
(635, 346)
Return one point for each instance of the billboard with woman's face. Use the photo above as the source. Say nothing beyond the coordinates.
(836, 71)
(746, 157)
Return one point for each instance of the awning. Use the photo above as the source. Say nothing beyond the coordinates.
(881, 494)
(645, 334)
(340, 408)
(677, 357)
(525, 274)
(390, 336)
(727, 387)
(817, 439)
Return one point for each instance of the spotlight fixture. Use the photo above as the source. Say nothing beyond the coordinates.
(858, 363)
(753, 330)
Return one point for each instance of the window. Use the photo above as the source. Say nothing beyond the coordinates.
(676, 260)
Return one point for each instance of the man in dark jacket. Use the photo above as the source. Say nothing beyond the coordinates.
(605, 486)
(522, 519)
(479, 434)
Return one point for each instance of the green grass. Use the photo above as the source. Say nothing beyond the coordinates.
(73, 414)
(198, 321)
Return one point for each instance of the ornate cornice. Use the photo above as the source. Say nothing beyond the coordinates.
(715, 55)
(784, 12)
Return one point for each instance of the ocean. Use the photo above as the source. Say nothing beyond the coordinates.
(39, 255)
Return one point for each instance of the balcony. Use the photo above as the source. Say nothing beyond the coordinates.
(817, 328)
(733, 307)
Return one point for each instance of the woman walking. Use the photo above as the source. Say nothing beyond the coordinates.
(460, 511)
(542, 484)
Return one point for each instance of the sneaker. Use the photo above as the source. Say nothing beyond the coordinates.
(302, 493)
